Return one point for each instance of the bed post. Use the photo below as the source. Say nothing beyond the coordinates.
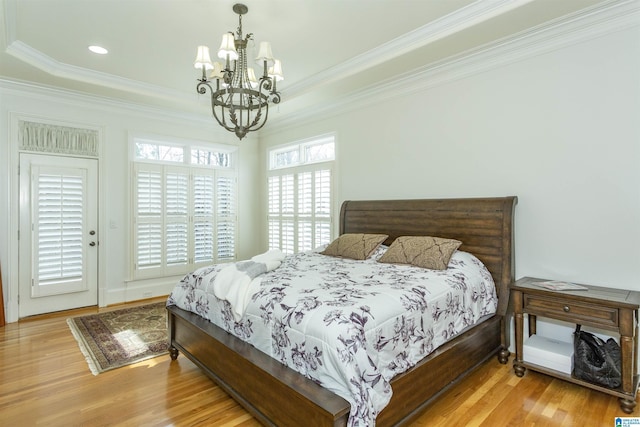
(171, 322)
(508, 276)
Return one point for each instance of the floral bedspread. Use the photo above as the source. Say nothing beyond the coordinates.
(348, 325)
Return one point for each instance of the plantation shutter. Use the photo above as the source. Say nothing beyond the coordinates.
(274, 211)
(305, 211)
(287, 213)
(226, 207)
(184, 217)
(203, 216)
(176, 217)
(58, 218)
(149, 198)
(322, 207)
(299, 209)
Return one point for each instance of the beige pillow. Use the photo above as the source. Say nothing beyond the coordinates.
(422, 251)
(355, 246)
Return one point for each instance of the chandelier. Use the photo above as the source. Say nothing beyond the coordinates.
(239, 102)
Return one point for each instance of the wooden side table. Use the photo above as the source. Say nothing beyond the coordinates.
(604, 308)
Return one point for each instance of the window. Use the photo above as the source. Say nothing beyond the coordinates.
(300, 195)
(184, 208)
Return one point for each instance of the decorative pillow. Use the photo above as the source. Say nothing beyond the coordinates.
(421, 251)
(355, 245)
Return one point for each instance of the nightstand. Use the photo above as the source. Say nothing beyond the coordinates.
(605, 308)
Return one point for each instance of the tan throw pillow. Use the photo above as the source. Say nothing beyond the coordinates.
(355, 246)
(422, 251)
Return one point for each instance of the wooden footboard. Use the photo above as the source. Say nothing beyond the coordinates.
(273, 393)
(415, 389)
(278, 396)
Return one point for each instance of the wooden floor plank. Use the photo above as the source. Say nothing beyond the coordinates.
(45, 381)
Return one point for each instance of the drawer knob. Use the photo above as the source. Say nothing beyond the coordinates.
(566, 308)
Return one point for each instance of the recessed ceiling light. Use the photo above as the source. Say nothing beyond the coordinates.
(98, 49)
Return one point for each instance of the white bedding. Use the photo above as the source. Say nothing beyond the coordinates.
(350, 325)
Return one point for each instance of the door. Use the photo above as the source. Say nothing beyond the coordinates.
(58, 233)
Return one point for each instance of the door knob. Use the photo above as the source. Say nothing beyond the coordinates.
(92, 244)
(92, 232)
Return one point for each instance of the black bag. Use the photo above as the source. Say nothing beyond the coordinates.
(596, 361)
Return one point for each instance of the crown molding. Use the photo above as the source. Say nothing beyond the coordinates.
(34, 57)
(454, 22)
(605, 18)
(111, 105)
(476, 12)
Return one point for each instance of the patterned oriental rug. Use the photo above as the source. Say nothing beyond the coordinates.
(113, 339)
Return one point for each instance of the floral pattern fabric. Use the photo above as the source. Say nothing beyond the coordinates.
(350, 325)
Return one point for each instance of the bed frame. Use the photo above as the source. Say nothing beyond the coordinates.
(277, 395)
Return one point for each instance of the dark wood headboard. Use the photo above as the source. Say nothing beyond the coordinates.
(483, 225)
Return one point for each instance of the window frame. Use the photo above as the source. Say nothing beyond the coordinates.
(296, 218)
(300, 147)
(191, 219)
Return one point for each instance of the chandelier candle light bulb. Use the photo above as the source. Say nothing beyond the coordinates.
(240, 103)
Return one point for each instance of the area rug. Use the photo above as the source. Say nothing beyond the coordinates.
(113, 339)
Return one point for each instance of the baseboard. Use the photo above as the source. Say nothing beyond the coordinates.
(140, 289)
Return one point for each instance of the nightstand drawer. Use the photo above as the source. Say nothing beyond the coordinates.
(571, 311)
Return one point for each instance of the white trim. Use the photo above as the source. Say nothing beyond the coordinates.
(602, 19)
(136, 290)
(180, 141)
(37, 59)
(300, 145)
(472, 14)
(82, 100)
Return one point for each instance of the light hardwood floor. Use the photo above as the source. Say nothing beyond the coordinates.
(45, 381)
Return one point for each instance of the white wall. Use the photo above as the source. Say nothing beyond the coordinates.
(560, 130)
(117, 121)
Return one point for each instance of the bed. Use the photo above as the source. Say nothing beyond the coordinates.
(277, 395)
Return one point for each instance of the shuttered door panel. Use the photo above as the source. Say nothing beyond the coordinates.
(59, 246)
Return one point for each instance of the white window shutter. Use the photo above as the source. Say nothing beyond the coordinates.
(299, 207)
(322, 207)
(183, 217)
(58, 228)
(176, 217)
(149, 197)
(226, 206)
(203, 216)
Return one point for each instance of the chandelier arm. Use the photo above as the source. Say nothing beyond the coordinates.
(202, 86)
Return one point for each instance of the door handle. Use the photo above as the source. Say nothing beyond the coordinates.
(92, 244)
